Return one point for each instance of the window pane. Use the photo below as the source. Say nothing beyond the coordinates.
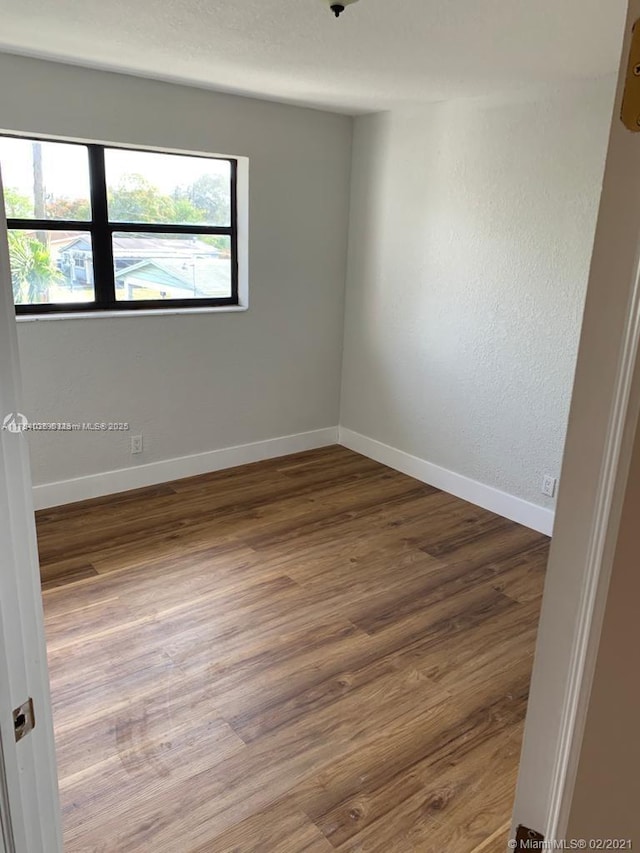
(51, 266)
(45, 180)
(172, 266)
(167, 189)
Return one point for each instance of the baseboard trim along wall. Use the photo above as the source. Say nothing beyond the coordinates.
(151, 473)
(536, 517)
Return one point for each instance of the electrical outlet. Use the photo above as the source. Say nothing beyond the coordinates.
(549, 484)
(136, 444)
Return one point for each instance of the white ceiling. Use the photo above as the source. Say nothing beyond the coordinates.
(378, 54)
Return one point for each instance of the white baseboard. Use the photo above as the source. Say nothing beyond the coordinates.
(530, 515)
(152, 473)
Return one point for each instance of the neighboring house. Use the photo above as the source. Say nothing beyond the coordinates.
(73, 258)
(194, 277)
(150, 267)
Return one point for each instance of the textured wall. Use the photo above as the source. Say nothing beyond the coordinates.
(471, 232)
(196, 383)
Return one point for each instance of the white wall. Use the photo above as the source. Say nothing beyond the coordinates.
(471, 232)
(192, 384)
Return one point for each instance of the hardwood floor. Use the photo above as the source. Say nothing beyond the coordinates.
(313, 653)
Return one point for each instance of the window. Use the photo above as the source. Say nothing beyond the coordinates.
(94, 228)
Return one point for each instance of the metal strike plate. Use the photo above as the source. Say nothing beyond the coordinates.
(528, 839)
(631, 98)
(24, 719)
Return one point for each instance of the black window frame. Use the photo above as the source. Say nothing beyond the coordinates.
(102, 229)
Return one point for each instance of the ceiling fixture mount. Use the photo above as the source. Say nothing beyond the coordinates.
(338, 8)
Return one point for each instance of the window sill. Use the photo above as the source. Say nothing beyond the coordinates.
(155, 312)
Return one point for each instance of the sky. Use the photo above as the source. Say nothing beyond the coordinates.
(66, 167)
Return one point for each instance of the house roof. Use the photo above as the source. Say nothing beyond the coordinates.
(204, 277)
(144, 246)
(160, 246)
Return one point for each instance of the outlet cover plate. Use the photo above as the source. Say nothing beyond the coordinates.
(549, 486)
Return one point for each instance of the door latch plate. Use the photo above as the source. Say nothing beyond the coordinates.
(631, 97)
(528, 839)
(24, 719)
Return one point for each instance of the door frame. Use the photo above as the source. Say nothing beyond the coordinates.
(29, 806)
(602, 425)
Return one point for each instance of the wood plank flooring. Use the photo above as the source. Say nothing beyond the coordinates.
(313, 653)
